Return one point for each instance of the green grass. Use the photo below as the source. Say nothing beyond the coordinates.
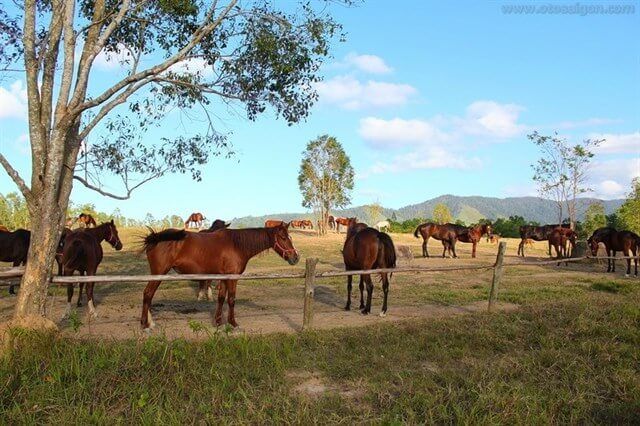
(569, 361)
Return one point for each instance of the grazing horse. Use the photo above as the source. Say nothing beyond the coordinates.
(14, 247)
(226, 251)
(82, 252)
(195, 219)
(332, 222)
(274, 223)
(383, 225)
(368, 248)
(344, 221)
(446, 233)
(216, 225)
(625, 241)
(536, 233)
(86, 220)
(472, 234)
(296, 224)
(559, 238)
(307, 224)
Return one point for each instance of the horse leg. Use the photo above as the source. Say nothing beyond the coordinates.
(146, 320)
(349, 287)
(385, 290)
(452, 244)
(613, 261)
(521, 248)
(627, 253)
(608, 260)
(90, 305)
(361, 287)
(231, 302)
(222, 294)
(12, 291)
(69, 297)
(444, 249)
(81, 287)
(425, 252)
(473, 250)
(367, 308)
(202, 290)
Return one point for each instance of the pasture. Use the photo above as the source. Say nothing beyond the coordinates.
(563, 347)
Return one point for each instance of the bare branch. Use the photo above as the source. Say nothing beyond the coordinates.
(111, 195)
(15, 176)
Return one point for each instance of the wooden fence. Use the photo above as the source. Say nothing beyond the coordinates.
(310, 275)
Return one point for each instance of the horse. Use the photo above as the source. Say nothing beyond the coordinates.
(537, 233)
(196, 219)
(204, 290)
(226, 251)
(559, 238)
(472, 234)
(274, 223)
(86, 220)
(82, 252)
(446, 233)
(14, 247)
(368, 248)
(331, 222)
(383, 225)
(307, 224)
(343, 221)
(296, 224)
(625, 241)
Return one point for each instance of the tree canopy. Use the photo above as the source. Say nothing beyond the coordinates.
(442, 214)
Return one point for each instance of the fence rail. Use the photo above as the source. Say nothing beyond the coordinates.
(310, 275)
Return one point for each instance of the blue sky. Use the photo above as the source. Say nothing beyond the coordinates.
(428, 98)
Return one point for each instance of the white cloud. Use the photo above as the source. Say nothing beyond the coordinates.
(612, 178)
(193, 66)
(110, 61)
(494, 119)
(13, 102)
(618, 143)
(396, 132)
(368, 63)
(349, 93)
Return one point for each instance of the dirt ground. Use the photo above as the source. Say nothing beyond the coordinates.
(276, 306)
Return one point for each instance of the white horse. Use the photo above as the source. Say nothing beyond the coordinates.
(383, 225)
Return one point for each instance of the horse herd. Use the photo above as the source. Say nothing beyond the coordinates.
(220, 250)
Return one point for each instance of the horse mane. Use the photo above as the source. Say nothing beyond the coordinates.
(252, 240)
(154, 238)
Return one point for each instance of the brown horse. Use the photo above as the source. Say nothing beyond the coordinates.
(226, 251)
(536, 233)
(82, 252)
(307, 224)
(559, 238)
(344, 221)
(274, 223)
(296, 224)
(446, 233)
(625, 241)
(472, 234)
(194, 218)
(204, 287)
(331, 222)
(86, 220)
(368, 248)
(14, 247)
(216, 225)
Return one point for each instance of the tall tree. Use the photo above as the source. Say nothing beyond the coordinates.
(594, 218)
(325, 178)
(176, 54)
(629, 211)
(442, 214)
(374, 213)
(562, 170)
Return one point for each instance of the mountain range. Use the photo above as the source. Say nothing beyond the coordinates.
(468, 209)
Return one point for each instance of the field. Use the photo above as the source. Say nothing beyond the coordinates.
(562, 348)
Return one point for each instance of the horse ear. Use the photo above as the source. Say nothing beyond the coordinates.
(286, 225)
(112, 222)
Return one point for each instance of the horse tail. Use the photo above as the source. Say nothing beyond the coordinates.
(418, 229)
(386, 251)
(154, 238)
(77, 251)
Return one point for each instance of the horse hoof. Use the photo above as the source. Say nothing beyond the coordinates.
(626, 275)
(364, 312)
(147, 331)
(383, 314)
(347, 308)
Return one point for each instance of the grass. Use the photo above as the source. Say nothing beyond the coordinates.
(569, 354)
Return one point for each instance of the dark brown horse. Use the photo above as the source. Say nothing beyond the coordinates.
(86, 220)
(216, 226)
(446, 233)
(537, 233)
(559, 238)
(368, 248)
(195, 219)
(471, 234)
(82, 252)
(274, 223)
(14, 247)
(625, 241)
(226, 251)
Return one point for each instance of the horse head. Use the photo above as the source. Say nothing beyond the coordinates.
(283, 245)
(112, 235)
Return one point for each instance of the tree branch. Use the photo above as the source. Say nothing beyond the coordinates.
(115, 196)
(15, 176)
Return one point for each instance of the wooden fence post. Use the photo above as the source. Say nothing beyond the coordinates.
(497, 274)
(309, 284)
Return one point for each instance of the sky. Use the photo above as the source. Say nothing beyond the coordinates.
(427, 98)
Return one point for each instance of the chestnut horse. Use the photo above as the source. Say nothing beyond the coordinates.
(196, 219)
(86, 220)
(559, 238)
(472, 234)
(368, 248)
(344, 221)
(625, 241)
(82, 252)
(226, 251)
(14, 247)
(296, 224)
(446, 233)
(307, 224)
(536, 233)
(273, 223)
